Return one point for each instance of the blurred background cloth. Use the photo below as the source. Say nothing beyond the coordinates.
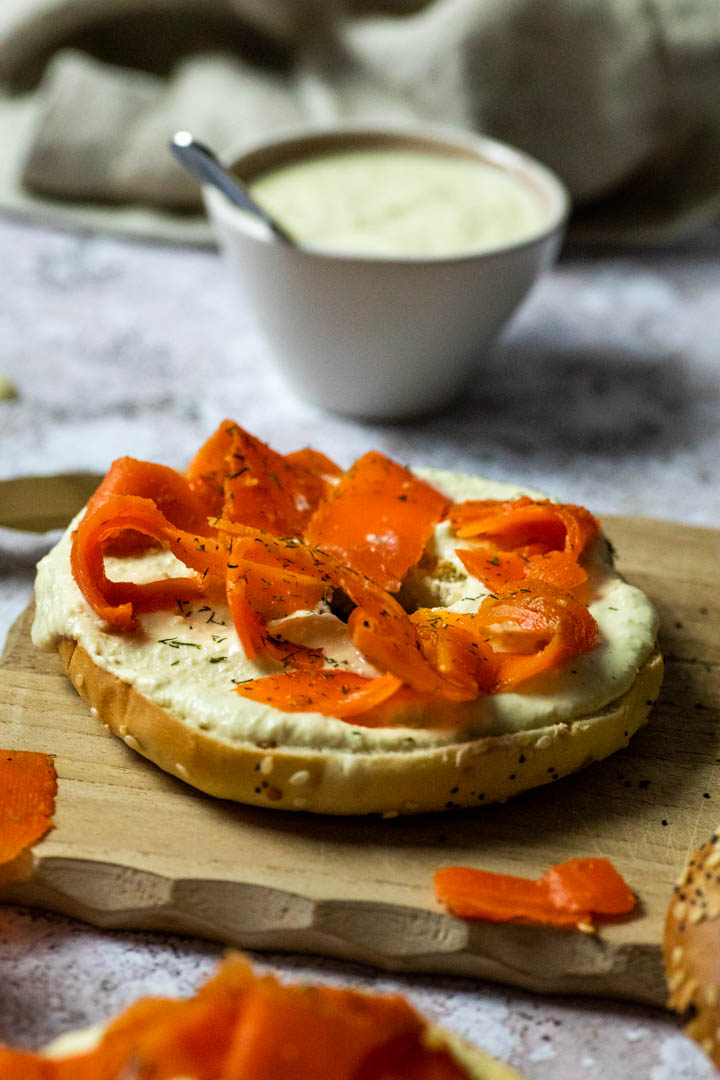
(620, 97)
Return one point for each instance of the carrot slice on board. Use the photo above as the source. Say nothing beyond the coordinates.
(535, 629)
(378, 519)
(263, 489)
(28, 786)
(332, 693)
(118, 601)
(566, 895)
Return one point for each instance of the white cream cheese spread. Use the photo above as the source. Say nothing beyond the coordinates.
(403, 202)
(189, 660)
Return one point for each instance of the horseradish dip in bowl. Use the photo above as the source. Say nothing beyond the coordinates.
(412, 249)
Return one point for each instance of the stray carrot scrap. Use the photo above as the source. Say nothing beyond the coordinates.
(241, 1026)
(569, 894)
(27, 799)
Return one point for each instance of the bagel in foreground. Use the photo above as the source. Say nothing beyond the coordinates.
(244, 1026)
(691, 947)
(174, 683)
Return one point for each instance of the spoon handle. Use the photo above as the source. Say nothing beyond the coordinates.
(202, 162)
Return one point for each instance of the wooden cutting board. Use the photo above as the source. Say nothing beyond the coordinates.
(137, 849)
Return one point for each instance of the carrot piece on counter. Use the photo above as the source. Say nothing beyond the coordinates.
(378, 519)
(28, 787)
(569, 894)
(118, 601)
(590, 884)
(264, 489)
(332, 693)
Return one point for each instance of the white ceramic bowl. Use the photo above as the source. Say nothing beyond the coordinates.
(383, 337)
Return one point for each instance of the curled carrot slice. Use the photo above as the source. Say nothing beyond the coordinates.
(498, 569)
(524, 524)
(240, 1026)
(534, 629)
(452, 644)
(315, 462)
(207, 471)
(380, 628)
(378, 519)
(566, 895)
(118, 601)
(169, 490)
(27, 798)
(264, 489)
(332, 693)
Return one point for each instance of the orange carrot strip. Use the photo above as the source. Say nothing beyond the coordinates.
(451, 643)
(566, 895)
(28, 787)
(547, 624)
(332, 693)
(316, 462)
(378, 519)
(317, 1033)
(590, 884)
(380, 628)
(526, 523)
(23, 1065)
(263, 489)
(207, 471)
(117, 601)
(168, 489)
(498, 569)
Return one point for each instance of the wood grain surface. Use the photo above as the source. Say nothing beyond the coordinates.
(135, 848)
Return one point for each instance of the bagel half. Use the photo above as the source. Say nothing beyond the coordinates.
(167, 690)
(691, 947)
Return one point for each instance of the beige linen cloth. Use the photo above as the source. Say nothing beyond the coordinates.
(621, 97)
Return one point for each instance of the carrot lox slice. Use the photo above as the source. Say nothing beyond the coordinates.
(498, 569)
(264, 489)
(380, 628)
(23, 1065)
(526, 524)
(169, 490)
(566, 895)
(118, 601)
(28, 787)
(378, 519)
(317, 1033)
(590, 884)
(451, 642)
(207, 471)
(547, 623)
(332, 693)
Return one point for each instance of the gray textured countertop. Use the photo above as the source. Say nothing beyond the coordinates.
(605, 391)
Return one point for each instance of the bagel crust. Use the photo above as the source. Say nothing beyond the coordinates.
(466, 774)
(691, 947)
(167, 691)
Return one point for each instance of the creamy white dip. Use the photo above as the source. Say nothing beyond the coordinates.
(189, 662)
(400, 202)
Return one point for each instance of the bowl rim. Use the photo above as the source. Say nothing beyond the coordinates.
(262, 153)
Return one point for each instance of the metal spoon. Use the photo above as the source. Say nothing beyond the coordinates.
(203, 163)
